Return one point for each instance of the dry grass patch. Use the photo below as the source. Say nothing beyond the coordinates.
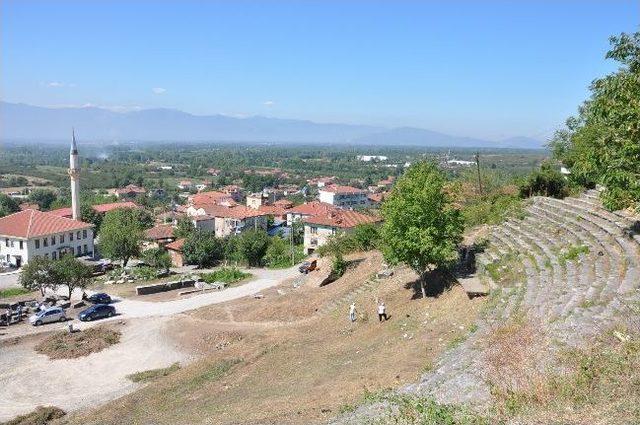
(153, 374)
(64, 345)
(40, 416)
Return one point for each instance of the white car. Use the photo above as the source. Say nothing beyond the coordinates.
(49, 315)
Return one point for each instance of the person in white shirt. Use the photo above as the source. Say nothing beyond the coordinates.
(382, 311)
(352, 312)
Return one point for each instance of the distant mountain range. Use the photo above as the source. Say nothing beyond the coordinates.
(33, 123)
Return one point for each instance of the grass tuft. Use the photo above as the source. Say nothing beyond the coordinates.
(153, 374)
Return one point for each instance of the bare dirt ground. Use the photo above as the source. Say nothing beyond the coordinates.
(29, 379)
(292, 357)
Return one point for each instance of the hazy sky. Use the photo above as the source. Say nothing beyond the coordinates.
(489, 69)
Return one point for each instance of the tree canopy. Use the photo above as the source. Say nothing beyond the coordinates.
(602, 143)
(203, 249)
(421, 229)
(253, 245)
(121, 233)
(8, 205)
(39, 274)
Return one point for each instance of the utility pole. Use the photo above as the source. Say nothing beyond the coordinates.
(477, 156)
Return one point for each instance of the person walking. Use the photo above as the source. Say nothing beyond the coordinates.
(382, 311)
(352, 312)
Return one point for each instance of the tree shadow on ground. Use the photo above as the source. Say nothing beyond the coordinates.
(632, 230)
(436, 283)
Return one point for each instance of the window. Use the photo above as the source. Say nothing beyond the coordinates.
(79, 252)
(84, 234)
(37, 243)
(78, 235)
(6, 241)
(70, 236)
(45, 242)
(54, 255)
(314, 230)
(53, 240)
(21, 245)
(85, 248)
(46, 256)
(62, 238)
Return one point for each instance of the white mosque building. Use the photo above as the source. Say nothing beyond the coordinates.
(31, 233)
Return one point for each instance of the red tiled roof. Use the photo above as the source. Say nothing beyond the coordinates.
(334, 188)
(176, 245)
(272, 209)
(33, 223)
(210, 197)
(239, 212)
(162, 231)
(101, 208)
(312, 208)
(284, 203)
(342, 218)
(377, 197)
(130, 188)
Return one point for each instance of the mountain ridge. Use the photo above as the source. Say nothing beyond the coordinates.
(28, 122)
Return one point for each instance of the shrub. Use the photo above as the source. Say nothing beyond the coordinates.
(225, 274)
(547, 181)
(42, 415)
(153, 374)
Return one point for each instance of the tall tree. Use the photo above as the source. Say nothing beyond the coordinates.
(602, 144)
(43, 197)
(184, 228)
(73, 273)
(8, 205)
(40, 274)
(121, 233)
(89, 215)
(203, 249)
(421, 229)
(253, 245)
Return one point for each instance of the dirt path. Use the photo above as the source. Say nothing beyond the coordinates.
(29, 379)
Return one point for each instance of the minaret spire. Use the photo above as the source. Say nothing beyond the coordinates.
(74, 174)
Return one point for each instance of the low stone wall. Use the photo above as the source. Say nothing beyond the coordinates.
(163, 287)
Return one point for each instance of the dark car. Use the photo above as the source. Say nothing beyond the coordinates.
(308, 266)
(100, 298)
(97, 311)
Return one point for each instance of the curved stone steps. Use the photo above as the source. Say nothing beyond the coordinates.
(629, 248)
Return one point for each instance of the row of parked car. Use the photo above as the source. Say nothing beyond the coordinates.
(99, 310)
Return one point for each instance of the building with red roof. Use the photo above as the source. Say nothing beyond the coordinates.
(175, 250)
(160, 235)
(306, 210)
(31, 233)
(319, 228)
(130, 191)
(230, 220)
(99, 208)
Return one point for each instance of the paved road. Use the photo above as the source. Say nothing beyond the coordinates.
(9, 280)
(129, 309)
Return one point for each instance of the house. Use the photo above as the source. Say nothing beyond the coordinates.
(233, 190)
(321, 181)
(211, 198)
(343, 196)
(175, 250)
(185, 185)
(319, 228)
(214, 171)
(157, 193)
(230, 220)
(386, 183)
(99, 208)
(266, 197)
(307, 210)
(129, 191)
(31, 233)
(375, 199)
(369, 158)
(169, 217)
(160, 235)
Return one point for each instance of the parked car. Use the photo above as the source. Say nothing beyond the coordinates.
(308, 266)
(51, 314)
(97, 311)
(99, 298)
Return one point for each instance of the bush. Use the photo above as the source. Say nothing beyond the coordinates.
(278, 255)
(338, 266)
(225, 274)
(547, 181)
(253, 245)
(157, 258)
(493, 209)
(42, 415)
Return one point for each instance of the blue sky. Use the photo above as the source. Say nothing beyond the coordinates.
(490, 69)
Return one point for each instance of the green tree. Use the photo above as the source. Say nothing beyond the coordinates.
(184, 228)
(602, 144)
(89, 215)
(366, 236)
(547, 181)
(73, 273)
(157, 258)
(421, 229)
(40, 274)
(8, 205)
(253, 246)
(121, 233)
(43, 197)
(203, 249)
